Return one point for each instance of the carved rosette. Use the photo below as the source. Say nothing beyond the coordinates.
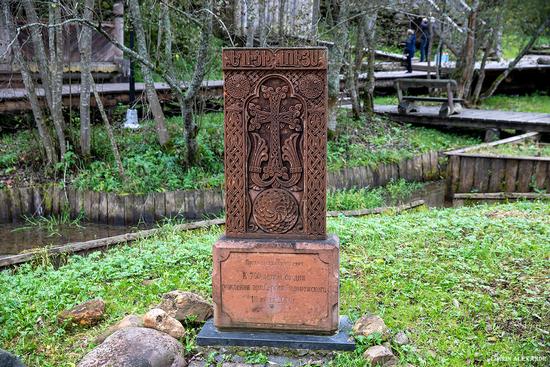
(275, 142)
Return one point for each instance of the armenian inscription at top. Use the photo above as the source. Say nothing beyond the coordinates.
(275, 142)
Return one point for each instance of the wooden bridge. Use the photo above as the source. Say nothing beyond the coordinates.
(471, 118)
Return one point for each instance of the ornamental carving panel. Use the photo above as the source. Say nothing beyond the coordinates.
(275, 142)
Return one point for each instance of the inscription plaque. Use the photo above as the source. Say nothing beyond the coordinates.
(275, 268)
(276, 285)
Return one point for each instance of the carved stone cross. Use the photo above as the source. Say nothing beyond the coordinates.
(276, 118)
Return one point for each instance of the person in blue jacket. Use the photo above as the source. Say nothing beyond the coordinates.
(410, 49)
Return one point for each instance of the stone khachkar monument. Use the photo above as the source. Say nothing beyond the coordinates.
(275, 269)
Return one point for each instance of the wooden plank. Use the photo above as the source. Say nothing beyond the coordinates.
(467, 166)
(64, 203)
(481, 174)
(525, 173)
(56, 193)
(149, 208)
(417, 168)
(510, 177)
(94, 207)
(170, 204)
(37, 201)
(518, 138)
(139, 201)
(47, 199)
(103, 210)
(87, 204)
(179, 198)
(15, 200)
(160, 205)
(72, 201)
(542, 175)
(129, 210)
(5, 204)
(501, 195)
(26, 197)
(497, 170)
(116, 209)
(453, 175)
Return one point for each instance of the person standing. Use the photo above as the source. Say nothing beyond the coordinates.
(424, 40)
(410, 48)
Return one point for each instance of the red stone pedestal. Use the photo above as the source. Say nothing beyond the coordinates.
(276, 284)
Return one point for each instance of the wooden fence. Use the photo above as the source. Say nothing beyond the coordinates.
(110, 208)
(468, 171)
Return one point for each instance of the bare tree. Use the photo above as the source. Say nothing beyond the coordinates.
(49, 81)
(537, 33)
(152, 97)
(191, 128)
(45, 138)
(370, 35)
(261, 23)
(109, 129)
(336, 60)
(55, 38)
(250, 18)
(85, 46)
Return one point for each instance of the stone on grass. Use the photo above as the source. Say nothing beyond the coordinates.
(401, 338)
(370, 324)
(182, 305)
(88, 313)
(136, 347)
(380, 355)
(128, 321)
(9, 360)
(158, 319)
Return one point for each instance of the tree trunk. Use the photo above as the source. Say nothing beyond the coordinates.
(513, 64)
(336, 60)
(281, 20)
(250, 17)
(191, 128)
(370, 31)
(109, 129)
(261, 22)
(315, 15)
(167, 28)
(39, 49)
(150, 90)
(466, 64)
(487, 49)
(45, 138)
(85, 46)
(354, 67)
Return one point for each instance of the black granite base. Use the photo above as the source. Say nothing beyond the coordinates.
(210, 336)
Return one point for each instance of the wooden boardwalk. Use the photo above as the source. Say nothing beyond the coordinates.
(13, 100)
(472, 119)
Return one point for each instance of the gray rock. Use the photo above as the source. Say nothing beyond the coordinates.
(370, 324)
(128, 321)
(401, 338)
(160, 320)
(9, 360)
(136, 347)
(182, 305)
(380, 355)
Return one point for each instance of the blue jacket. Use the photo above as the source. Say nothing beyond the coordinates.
(410, 44)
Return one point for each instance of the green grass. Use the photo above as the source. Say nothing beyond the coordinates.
(368, 143)
(468, 285)
(152, 169)
(524, 149)
(368, 198)
(536, 102)
(528, 103)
